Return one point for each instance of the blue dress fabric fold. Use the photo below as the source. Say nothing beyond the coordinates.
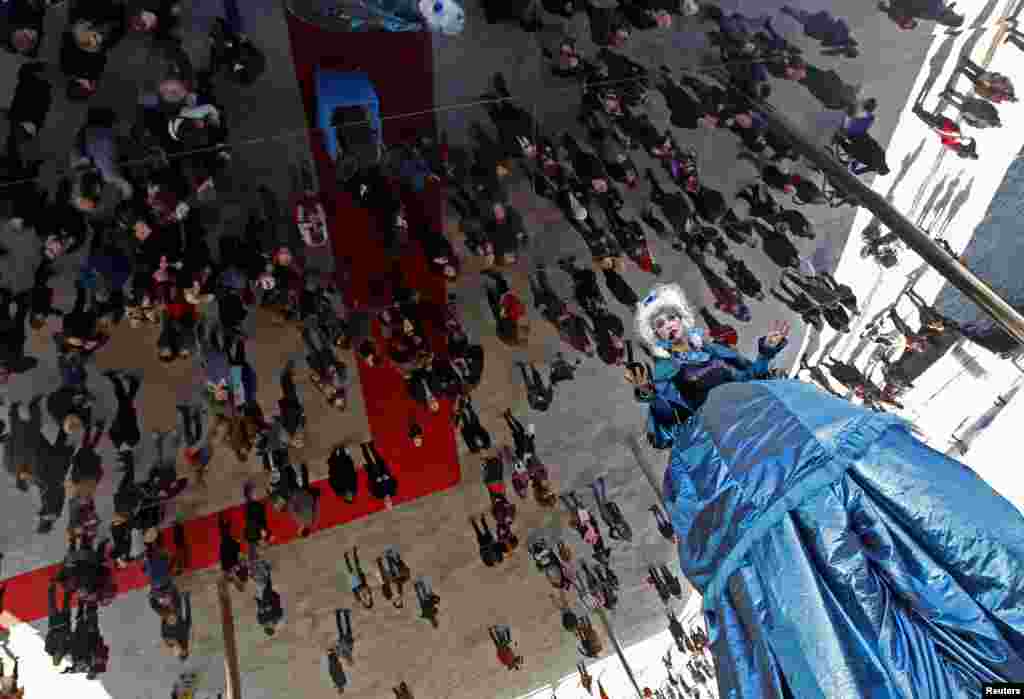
(838, 556)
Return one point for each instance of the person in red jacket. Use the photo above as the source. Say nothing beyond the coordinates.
(502, 637)
(949, 133)
(509, 311)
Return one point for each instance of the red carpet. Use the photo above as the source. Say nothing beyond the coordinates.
(400, 66)
(403, 79)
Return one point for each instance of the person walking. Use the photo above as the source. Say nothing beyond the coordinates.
(304, 503)
(949, 133)
(976, 112)
(58, 626)
(345, 644)
(341, 476)
(832, 32)
(269, 610)
(428, 600)
(502, 637)
(176, 627)
(995, 87)
(257, 528)
(382, 483)
(336, 671)
(231, 556)
(124, 430)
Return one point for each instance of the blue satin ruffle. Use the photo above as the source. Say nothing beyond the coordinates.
(839, 557)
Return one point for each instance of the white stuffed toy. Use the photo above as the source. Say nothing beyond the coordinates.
(445, 16)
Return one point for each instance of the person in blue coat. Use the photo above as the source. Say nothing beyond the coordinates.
(837, 556)
(686, 363)
(832, 32)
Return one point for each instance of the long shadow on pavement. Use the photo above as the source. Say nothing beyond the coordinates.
(959, 200)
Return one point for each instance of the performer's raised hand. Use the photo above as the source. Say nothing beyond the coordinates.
(778, 333)
(636, 375)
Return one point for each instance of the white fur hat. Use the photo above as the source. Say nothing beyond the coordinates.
(661, 298)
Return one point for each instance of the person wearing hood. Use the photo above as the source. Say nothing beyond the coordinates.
(687, 364)
(93, 29)
(159, 18)
(24, 19)
(231, 50)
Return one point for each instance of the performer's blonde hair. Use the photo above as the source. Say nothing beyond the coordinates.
(662, 297)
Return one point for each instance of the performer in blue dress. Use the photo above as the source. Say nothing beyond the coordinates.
(839, 557)
(686, 363)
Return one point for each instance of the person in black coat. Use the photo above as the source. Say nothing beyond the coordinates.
(128, 499)
(257, 529)
(293, 415)
(93, 29)
(58, 627)
(474, 434)
(793, 222)
(608, 24)
(516, 128)
(639, 127)
(777, 246)
(124, 430)
(800, 303)
(864, 153)
(382, 483)
(14, 334)
(231, 555)
(586, 166)
(526, 12)
(709, 204)
(686, 108)
(269, 610)
(342, 475)
(676, 206)
(439, 253)
(28, 111)
(743, 277)
(620, 288)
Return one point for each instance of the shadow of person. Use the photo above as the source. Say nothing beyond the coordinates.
(935, 66)
(981, 20)
(908, 160)
(930, 204)
(943, 201)
(959, 200)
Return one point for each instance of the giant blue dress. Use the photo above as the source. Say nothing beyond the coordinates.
(838, 556)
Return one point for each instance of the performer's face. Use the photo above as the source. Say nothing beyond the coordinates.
(669, 326)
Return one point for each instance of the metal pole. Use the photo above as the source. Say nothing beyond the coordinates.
(227, 623)
(915, 239)
(618, 651)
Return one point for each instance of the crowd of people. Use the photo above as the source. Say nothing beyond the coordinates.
(150, 259)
